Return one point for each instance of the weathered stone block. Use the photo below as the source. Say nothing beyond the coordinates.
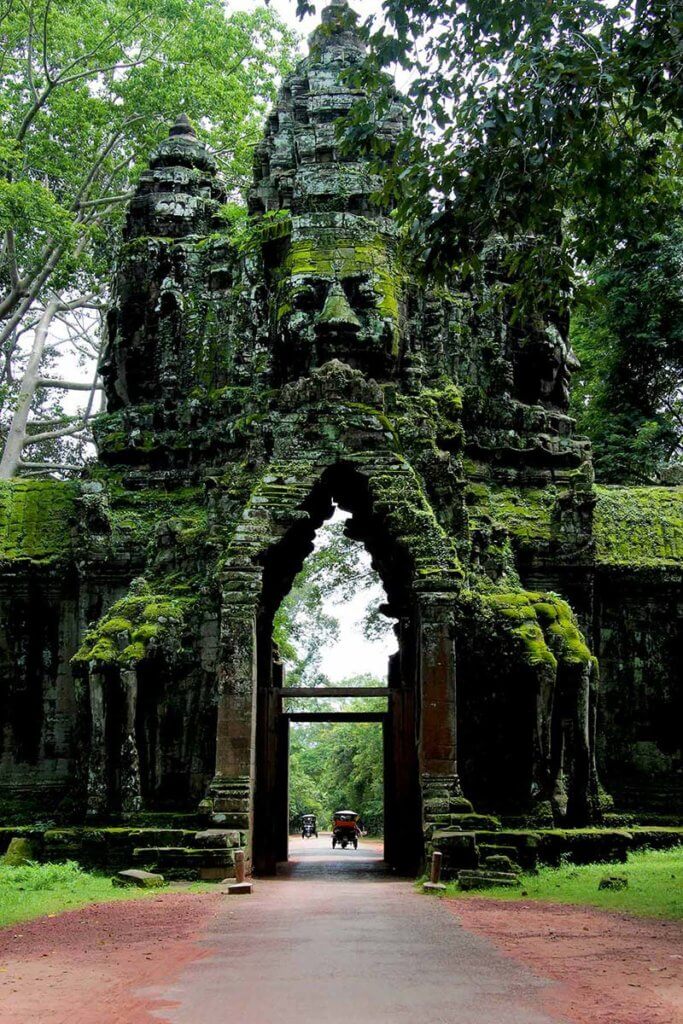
(459, 805)
(487, 879)
(616, 882)
(469, 822)
(459, 851)
(526, 845)
(501, 863)
(139, 878)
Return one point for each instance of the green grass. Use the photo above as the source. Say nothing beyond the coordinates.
(38, 889)
(655, 886)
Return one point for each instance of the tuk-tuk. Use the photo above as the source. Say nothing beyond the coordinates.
(345, 829)
(309, 826)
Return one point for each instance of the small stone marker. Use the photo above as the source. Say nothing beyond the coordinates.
(239, 887)
(142, 879)
(434, 884)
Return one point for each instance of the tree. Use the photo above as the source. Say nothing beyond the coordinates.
(628, 333)
(332, 764)
(86, 90)
(307, 620)
(526, 117)
(338, 765)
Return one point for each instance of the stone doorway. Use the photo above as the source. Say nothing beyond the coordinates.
(389, 516)
(402, 812)
(399, 720)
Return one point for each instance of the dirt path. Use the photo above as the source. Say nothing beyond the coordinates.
(612, 968)
(87, 966)
(338, 935)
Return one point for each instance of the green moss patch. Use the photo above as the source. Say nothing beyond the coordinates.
(542, 627)
(526, 513)
(135, 627)
(36, 518)
(639, 526)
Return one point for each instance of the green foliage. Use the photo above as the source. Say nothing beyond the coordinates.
(305, 623)
(38, 889)
(627, 331)
(335, 765)
(527, 119)
(655, 885)
(86, 92)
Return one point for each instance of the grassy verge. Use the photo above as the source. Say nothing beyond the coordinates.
(655, 885)
(38, 889)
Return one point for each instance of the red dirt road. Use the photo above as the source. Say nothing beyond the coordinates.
(87, 966)
(612, 968)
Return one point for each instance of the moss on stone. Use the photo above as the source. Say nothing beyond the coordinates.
(639, 526)
(134, 626)
(525, 512)
(36, 518)
(542, 625)
(347, 258)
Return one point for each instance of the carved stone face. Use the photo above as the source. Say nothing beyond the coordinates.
(338, 300)
(557, 362)
(544, 369)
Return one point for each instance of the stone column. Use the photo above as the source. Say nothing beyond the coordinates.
(97, 759)
(131, 790)
(437, 728)
(229, 802)
(579, 810)
(437, 739)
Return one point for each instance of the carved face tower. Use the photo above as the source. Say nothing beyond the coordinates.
(334, 276)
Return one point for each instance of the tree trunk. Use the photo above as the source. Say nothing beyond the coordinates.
(16, 437)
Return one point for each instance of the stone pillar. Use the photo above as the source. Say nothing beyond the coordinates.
(437, 739)
(579, 809)
(131, 790)
(437, 727)
(97, 759)
(229, 802)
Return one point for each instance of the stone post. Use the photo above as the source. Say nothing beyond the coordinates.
(437, 729)
(229, 803)
(97, 759)
(131, 790)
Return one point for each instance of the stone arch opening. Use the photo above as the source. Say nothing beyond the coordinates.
(345, 487)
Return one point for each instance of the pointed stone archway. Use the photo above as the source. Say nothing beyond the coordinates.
(417, 566)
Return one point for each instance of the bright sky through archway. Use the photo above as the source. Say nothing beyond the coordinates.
(353, 654)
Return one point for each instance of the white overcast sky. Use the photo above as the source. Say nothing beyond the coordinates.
(352, 654)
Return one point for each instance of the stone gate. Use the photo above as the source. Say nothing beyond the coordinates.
(253, 377)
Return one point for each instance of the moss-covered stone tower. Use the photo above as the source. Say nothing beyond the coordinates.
(249, 386)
